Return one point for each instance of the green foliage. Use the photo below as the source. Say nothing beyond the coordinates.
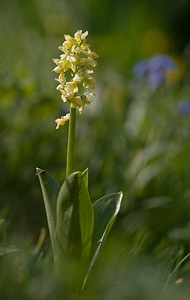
(74, 217)
(77, 228)
(50, 191)
(132, 139)
(105, 212)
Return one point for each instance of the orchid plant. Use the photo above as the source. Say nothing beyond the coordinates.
(78, 228)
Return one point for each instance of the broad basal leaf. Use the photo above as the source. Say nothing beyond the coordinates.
(75, 218)
(50, 190)
(105, 213)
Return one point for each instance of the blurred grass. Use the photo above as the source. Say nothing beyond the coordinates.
(132, 138)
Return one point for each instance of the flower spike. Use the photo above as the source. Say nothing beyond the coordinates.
(75, 67)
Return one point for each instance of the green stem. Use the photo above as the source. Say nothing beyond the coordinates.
(171, 274)
(71, 141)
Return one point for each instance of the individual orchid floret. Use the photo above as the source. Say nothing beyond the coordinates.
(62, 120)
(75, 68)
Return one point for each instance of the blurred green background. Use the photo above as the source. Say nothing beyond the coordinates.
(132, 138)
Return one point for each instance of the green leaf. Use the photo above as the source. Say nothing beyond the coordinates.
(75, 218)
(85, 174)
(7, 249)
(50, 189)
(105, 213)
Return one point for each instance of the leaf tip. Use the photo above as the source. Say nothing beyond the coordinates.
(121, 194)
(85, 171)
(40, 171)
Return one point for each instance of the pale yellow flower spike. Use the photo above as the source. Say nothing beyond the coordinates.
(62, 120)
(78, 61)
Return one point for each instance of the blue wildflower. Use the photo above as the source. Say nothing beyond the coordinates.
(155, 77)
(140, 68)
(184, 107)
(162, 62)
(154, 69)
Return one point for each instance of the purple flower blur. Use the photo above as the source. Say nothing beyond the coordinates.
(184, 107)
(154, 69)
